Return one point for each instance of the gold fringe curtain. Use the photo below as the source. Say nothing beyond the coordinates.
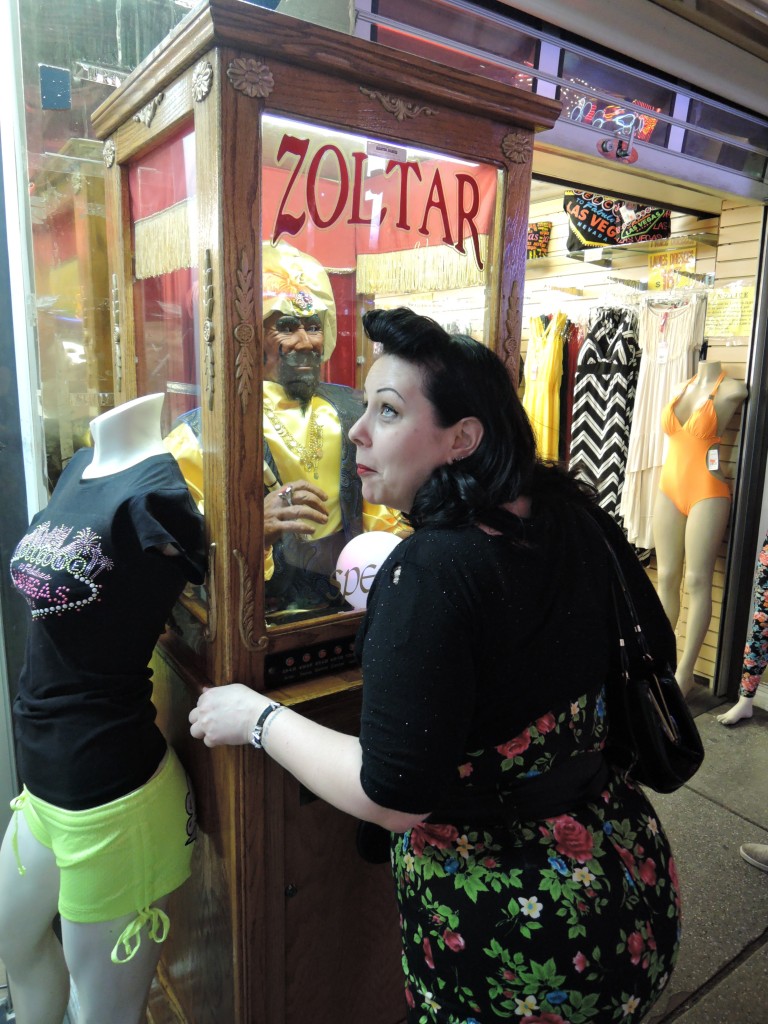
(429, 268)
(166, 241)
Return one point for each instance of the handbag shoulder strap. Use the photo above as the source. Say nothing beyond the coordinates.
(619, 583)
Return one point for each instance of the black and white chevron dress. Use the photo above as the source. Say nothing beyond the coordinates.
(603, 398)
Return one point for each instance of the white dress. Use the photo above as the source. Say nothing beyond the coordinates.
(670, 337)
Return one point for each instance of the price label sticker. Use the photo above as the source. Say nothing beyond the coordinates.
(713, 459)
(662, 352)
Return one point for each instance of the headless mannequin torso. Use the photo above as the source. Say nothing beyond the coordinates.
(38, 966)
(691, 539)
(126, 436)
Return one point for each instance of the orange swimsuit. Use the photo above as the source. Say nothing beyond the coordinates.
(685, 478)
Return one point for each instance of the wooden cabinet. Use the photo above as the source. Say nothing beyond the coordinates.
(409, 182)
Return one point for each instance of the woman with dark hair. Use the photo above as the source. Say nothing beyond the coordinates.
(534, 883)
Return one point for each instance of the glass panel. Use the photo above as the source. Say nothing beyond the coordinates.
(163, 212)
(350, 223)
(73, 56)
(163, 221)
(467, 29)
(742, 130)
(582, 105)
(69, 247)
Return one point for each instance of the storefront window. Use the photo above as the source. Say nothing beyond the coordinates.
(606, 94)
(73, 54)
(606, 108)
(349, 223)
(471, 44)
(748, 138)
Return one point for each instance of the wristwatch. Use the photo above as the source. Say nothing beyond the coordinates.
(258, 729)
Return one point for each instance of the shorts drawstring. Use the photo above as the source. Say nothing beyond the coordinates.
(16, 805)
(157, 924)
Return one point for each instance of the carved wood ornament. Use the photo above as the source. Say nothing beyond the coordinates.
(245, 332)
(202, 80)
(511, 319)
(208, 331)
(209, 633)
(517, 147)
(251, 76)
(116, 334)
(400, 108)
(147, 113)
(246, 616)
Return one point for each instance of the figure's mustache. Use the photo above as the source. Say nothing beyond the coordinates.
(312, 359)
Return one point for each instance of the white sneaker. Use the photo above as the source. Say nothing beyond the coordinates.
(755, 854)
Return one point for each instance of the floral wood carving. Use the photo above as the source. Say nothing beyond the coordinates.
(245, 620)
(517, 147)
(245, 333)
(511, 320)
(147, 113)
(251, 76)
(109, 152)
(202, 80)
(396, 105)
(117, 347)
(209, 633)
(208, 332)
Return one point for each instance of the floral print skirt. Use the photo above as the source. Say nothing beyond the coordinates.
(566, 920)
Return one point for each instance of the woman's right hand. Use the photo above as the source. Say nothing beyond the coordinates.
(226, 715)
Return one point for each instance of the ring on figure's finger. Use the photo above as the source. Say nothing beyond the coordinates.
(286, 495)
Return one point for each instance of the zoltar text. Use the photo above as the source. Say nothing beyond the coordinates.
(452, 200)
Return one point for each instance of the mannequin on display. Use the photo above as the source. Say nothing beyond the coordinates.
(102, 831)
(694, 502)
(756, 648)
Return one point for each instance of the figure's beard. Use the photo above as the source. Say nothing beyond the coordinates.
(299, 374)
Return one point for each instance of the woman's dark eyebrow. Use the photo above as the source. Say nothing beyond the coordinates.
(379, 391)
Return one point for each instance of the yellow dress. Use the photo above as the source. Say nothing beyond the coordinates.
(543, 375)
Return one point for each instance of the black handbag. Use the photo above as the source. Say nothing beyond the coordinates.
(652, 737)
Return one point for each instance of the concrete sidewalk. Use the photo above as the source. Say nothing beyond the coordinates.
(722, 973)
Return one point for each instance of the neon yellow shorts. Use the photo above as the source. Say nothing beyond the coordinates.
(121, 857)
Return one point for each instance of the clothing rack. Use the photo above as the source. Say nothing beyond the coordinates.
(675, 296)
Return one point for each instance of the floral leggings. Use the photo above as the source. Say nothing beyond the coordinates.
(756, 650)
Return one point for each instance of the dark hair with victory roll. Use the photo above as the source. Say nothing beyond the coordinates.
(463, 377)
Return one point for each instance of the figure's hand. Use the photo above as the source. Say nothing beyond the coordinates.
(308, 507)
(226, 715)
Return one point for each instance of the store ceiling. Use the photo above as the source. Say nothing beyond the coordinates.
(743, 23)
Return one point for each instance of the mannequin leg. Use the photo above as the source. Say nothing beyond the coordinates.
(29, 948)
(106, 991)
(669, 527)
(703, 536)
(741, 709)
(756, 647)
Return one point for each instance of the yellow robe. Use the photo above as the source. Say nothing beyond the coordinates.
(183, 445)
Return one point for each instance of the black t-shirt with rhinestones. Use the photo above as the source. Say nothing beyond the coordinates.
(99, 591)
